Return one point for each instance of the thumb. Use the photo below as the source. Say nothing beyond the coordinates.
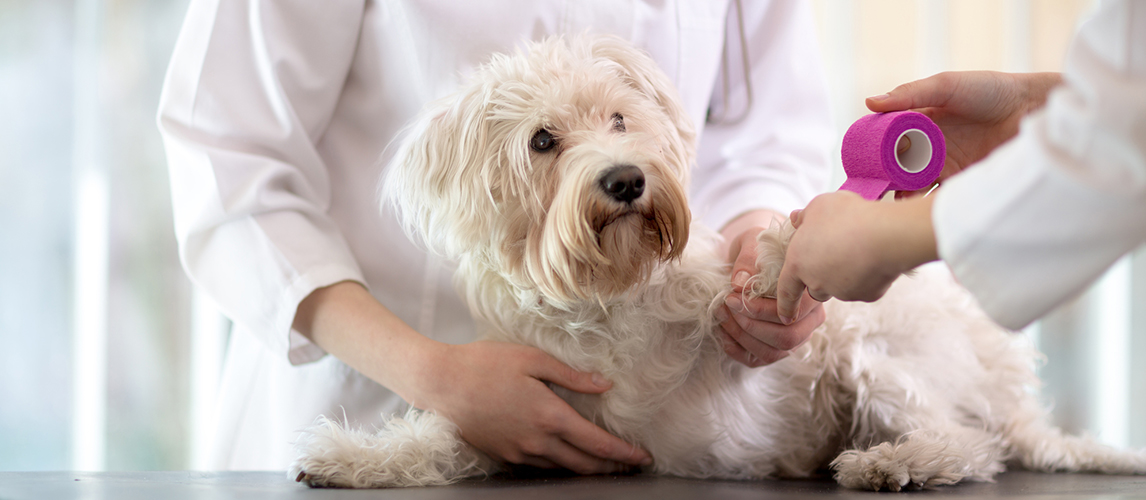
(933, 91)
(789, 291)
(549, 369)
(744, 267)
(797, 217)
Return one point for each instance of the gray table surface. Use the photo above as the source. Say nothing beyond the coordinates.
(177, 485)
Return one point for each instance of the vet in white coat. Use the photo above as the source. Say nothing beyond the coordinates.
(275, 115)
(1044, 215)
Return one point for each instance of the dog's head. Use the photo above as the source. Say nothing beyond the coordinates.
(562, 167)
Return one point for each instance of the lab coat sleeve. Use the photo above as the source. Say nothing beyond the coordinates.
(250, 90)
(777, 156)
(1046, 214)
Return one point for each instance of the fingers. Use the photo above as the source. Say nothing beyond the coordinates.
(819, 296)
(757, 342)
(583, 447)
(797, 217)
(747, 349)
(757, 318)
(565, 455)
(735, 351)
(548, 368)
(595, 443)
(903, 145)
(764, 308)
(933, 91)
(744, 263)
(789, 292)
(582, 464)
(539, 462)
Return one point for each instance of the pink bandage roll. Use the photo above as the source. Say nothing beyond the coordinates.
(875, 165)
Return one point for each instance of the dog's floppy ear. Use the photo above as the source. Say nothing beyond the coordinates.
(644, 75)
(438, 181)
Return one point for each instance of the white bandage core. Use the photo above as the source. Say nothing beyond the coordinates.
(914, 159)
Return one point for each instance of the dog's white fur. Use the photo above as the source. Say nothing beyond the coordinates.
(919, 388)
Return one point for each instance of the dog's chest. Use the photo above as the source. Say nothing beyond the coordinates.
(664, 376)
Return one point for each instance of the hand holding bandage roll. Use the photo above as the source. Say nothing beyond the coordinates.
(898, 151)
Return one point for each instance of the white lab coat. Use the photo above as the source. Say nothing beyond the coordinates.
(1043, 216)
(275, 114)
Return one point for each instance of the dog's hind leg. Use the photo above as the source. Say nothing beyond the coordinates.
(1043, 447)
(421, 449)
(925, 458)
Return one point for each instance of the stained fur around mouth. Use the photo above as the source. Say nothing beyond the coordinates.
(609, 218)
(651, 224)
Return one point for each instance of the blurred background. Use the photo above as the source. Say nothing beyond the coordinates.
(109, 358)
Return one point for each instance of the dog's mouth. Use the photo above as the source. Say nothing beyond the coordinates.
(642, 224)
(610, 218)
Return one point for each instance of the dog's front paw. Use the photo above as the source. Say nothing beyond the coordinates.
(771, 247)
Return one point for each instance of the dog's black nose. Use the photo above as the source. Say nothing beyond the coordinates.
(623, 183)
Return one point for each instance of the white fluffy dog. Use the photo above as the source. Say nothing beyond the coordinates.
(556, 181)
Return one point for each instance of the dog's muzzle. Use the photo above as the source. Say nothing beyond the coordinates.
(623, 183)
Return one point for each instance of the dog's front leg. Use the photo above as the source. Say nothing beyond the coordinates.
(771, 247)
(420, 449)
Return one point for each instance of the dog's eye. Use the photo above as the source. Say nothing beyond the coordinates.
(542, 141)
(618, 122)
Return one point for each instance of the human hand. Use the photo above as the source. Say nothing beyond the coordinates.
(853, 249)
(496, 393)
(976, 110)
(753, 332)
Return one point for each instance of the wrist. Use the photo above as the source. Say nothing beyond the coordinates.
(346, 321)
(919, 232)
(426, 367)
(909, 236)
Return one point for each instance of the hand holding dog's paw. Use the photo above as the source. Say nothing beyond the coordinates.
(752, 330)
(852, 249)
(755, 335)
(497, 395)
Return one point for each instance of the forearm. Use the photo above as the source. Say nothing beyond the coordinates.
(349, 323)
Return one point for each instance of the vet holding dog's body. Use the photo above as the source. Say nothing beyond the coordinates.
(275, 116)
(1032, 224)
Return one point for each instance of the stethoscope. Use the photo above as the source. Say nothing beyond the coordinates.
(722, 118)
